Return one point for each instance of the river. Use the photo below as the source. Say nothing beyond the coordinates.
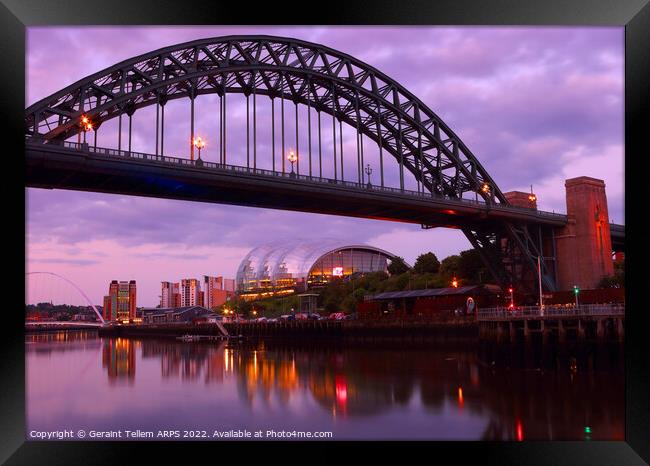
(210, 390)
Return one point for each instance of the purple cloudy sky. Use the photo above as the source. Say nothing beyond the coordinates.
(535, 105)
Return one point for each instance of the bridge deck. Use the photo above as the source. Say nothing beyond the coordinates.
(83, 167)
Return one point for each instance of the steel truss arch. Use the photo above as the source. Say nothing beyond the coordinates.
(308, 74)
(303, 72)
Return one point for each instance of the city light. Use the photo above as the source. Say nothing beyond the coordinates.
(454, 283)
(520, 431)
(199, 143)
(485, 188)
(292, 157)
(86, 125)
(531, 196)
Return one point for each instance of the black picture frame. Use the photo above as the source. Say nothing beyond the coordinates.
(634, 15)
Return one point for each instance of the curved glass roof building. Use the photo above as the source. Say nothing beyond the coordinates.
(278, 266)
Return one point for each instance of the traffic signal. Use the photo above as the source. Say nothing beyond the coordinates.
(576, 290)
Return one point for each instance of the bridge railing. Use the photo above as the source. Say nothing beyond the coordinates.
(275, 174)
(551, 311)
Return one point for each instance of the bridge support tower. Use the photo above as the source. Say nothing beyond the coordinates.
(584, 246)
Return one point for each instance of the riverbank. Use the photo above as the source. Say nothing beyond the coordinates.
(309, 330)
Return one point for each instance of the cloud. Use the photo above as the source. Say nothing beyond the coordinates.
(535, 105)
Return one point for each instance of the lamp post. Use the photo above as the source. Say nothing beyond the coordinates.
(86, 125)
(539, 277)
(368, 171)
(454, 283)
(512, 297)
(199, 143)
(292, 157)
(576, 291)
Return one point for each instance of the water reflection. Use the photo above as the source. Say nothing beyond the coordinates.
(118, 358)
(490, 393)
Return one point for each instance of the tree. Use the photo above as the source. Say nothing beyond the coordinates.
(397, 266)
(608, 281)
(427, 263)
(450, 266)
(472, 268)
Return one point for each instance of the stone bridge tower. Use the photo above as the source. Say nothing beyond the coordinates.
(584, 246)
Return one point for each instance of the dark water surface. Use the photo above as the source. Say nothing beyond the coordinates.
(76, 380)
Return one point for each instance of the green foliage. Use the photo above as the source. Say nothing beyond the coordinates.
(617, 280)
(450, 267)
(427, 263)
(471, 268)
(397, 266)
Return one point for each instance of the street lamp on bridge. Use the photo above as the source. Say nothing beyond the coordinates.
(199, 143)
(292, 157)
(368, 171)
(86, 125)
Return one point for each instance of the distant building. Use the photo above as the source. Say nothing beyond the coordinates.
(166, 294)
(120, 304)
(229, 284)
(106, 308)
(215, 291)
(184, 314)
(276, 269)
(190, 292)
(430, 302)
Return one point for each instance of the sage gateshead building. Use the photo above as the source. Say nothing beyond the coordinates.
(274, 269)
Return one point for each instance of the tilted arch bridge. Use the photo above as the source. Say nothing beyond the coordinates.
(453, 188)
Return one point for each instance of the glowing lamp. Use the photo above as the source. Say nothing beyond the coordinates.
(199, 143)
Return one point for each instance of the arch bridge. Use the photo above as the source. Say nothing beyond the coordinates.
(448, 185)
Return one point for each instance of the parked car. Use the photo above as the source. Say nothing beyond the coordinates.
(337, 316)
(272, 321)
(315, 316)
(261, 319)
(287, 317)
(302, 316)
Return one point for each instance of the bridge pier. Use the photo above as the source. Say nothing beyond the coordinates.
(500, 331)
(600, 329)
(620, 329)
(561, 331)
(581, 330)
(584, 245)
(545, 331)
